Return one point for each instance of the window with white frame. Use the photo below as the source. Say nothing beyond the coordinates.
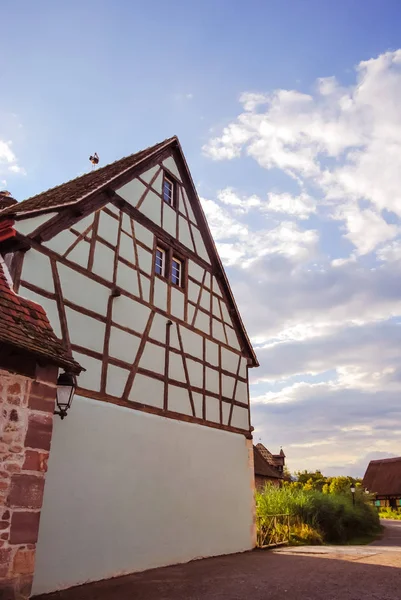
(168, 191)
(176, 272)
(160, 261)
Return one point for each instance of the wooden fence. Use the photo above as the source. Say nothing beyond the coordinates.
(273, 530)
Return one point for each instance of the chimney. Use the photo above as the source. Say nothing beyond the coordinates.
(6, 200)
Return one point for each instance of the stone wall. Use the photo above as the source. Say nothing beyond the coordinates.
(261, 481)
(26, 422)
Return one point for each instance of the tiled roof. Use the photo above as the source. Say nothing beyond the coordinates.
(76, 189)
(262, 467)
(24, 324)
(383, 477)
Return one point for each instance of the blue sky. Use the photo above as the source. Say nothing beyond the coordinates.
(293, 141)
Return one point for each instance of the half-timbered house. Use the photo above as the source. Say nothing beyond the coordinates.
(154, 463)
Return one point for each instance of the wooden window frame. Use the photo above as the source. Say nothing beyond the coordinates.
(171, 254)
(165, 261)
(181, 261)
(167, 177)
(176, 186)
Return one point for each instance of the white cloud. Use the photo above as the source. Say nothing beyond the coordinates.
(238, 244)
(301, 206)
(366, 229)
(323, 305)
(391, 252)
(345, 141)
(8, 160)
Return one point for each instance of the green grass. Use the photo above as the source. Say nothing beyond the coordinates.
(320, 518)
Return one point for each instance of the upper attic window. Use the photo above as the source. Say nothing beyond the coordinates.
(168, 191)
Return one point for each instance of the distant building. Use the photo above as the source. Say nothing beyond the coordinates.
(383, 478)
(269, 468)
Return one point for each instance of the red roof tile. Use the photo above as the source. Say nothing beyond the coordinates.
(383, 477)
(262, 467)
(24, 324)
(74, 190)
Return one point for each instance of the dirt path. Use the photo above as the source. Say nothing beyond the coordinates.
(346, 573)
(391, 535)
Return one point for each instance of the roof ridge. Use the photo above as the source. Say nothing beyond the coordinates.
(94, 174)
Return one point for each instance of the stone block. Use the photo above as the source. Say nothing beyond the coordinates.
(26, 491)
(42, 397)
(14, 389)
(24, 562)
(39, 432)
(35, 461)
(24, 527)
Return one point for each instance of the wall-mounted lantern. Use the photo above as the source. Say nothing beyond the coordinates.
(66, 385)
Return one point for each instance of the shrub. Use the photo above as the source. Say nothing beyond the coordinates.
(332, 517)
(389, 513)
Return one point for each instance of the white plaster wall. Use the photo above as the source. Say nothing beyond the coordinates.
(123, 345)
(200, 246)
(152, 207)
(116, 380)
(130, 313)
(143, 235)
(212, 409)
(170, 164)
(176, 367)
(177, 303)
(192, 342)
(195, 372)
(232, 338)
(241, 393)
(178, 400)
(85, 331)
(128, 491)
(127, 279)
(108, 228)
(228, 386)
(212, 353)
(147, 390)
(193, 291)
(202, 322)
(160, 293)
(148, 175)
(61, 242)
(103, 261)
(153, 358)
(90, 378)
(81, 290)
(217, 330)
(240, 418)
(126, 248)
(170, 220)
(216, 287)
(157, 184)
(189, 208)
(145, 285)
(195, 270)
(198, 403)
(144, 260)
(37, 270)
(26, 226)
(84, 223)
(184, 235)
(132, 191)
(229, 361)
(80, 254)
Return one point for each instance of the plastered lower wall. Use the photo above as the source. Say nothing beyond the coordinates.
(128, 491)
